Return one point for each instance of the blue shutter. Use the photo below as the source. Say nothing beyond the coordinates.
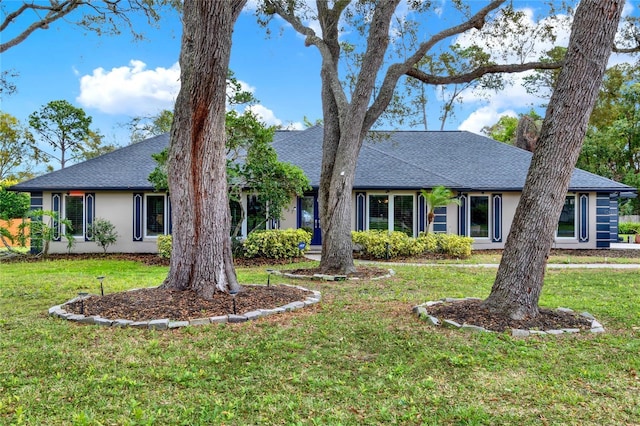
(138, 199)
(462, 215)
(422, 213)
(583, 214)
(56, 207)
(496, 212)
(169, 221)
(89, 214)
(361, 206)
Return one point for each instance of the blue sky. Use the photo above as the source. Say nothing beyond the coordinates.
(114, 78)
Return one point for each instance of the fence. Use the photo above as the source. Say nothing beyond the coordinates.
(12, 227)
(629, 218)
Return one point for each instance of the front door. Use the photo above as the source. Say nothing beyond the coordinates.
(308, 217)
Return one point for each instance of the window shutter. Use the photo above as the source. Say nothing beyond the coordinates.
(422, 213)
(462, 216)
(56, 207)
(169, 221)
(583, 230)
(138, 198)
(89, 214)
(497, 218)
(361, 209)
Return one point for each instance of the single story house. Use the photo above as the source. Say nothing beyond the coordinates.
(394, 166)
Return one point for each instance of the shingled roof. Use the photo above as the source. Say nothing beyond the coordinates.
(458, 160)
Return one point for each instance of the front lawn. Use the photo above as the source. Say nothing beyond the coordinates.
(358, 357)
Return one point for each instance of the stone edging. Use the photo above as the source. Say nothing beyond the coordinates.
(325, 277)
(423, 314)
(165, 323)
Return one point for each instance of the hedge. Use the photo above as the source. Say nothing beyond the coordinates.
(277, 243)
(384, 244)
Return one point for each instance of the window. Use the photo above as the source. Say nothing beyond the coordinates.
(74, 212)
(256, 214)
(392, 213)
(155, 215)
(403, 214)
(567, 221)
(236, 216)
(378, 212)
(479, 216)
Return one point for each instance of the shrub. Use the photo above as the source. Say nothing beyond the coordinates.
(164, 246)
(455, 245)
(382, 244)
(276, 243)
(627, 228)
(103, 233)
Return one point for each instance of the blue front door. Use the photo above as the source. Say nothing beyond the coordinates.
(308, 217)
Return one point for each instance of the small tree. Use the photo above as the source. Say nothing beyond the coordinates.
(43, 228)
(103, 233)
(438, 197)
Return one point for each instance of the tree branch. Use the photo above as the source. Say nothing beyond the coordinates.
(480, 71)
(54, 12)
(395, 71)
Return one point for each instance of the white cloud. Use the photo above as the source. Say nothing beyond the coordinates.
(485, 116)
(267, 116)
(132, 90)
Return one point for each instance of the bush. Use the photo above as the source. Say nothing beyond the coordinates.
(164, 246)
(103, 233)
(382, 244)
(276, 243)
(627, 228)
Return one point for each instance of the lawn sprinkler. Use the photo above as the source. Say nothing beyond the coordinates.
(100, 278)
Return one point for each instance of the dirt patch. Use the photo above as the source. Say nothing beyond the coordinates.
(472, 312)
(153, 303)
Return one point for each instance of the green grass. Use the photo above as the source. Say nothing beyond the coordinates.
(359, 357)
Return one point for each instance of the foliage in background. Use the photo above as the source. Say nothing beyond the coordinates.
(276, 243)
(66, 129)
(628, 228)
(142, 128)
(13, 205)
(379, 244)
(103, 233)
(17, 149)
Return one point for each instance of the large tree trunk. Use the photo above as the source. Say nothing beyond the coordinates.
(519, 281)
(201, 257)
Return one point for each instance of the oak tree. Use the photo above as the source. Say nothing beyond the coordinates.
(516, 290)
(350, 110)
(201, 257)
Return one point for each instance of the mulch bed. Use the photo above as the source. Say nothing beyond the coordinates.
(153, 303)
(472, 312)
(147, 304)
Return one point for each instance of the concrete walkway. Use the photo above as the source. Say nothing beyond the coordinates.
(316, 256)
